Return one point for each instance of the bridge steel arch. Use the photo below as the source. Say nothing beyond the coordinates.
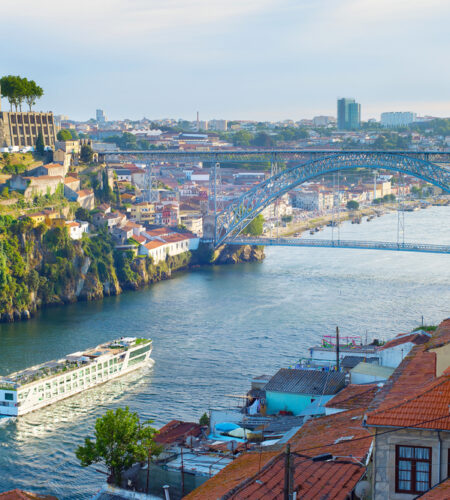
(230, 221)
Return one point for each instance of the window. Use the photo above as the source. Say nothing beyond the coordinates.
(413, 469)
(9, 396)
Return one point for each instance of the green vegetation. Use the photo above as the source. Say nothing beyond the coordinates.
(17, 89)
(204, 419)
(40, 146)
(426, 328)
(121, 440)
(86, 153)
(255, 228)
(388, 198)
(352, 205)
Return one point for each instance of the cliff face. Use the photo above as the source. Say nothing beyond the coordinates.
(230, 254)
(44, 267)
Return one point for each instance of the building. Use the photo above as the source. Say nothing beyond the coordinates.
(162, 242)
(291, 390)
(193, 223)
(22, 129)
(324, 121)
(348, 114)
(414, 455)
(394, 119)
(143, 212)
(312, 200)
(221, 125)
(36, 186)
(77, 228)
(324, 464)
(100, 116)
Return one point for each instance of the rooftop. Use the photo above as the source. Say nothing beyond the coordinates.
(24, 495)
(177, 431)
(373, 370)
(420, 337)
(306, 382)
(440, 491)
(353, 396)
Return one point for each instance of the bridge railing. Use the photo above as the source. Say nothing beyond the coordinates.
(355, 244)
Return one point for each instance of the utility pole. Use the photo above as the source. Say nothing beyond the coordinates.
(337, 349)
(287, 472)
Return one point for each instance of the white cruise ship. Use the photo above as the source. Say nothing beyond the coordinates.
(44, 384)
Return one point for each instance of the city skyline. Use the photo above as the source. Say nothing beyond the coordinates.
(255, 60)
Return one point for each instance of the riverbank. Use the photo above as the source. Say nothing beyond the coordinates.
(42, 267)
(344, 215)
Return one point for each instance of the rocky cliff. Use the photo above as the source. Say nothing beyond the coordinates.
(44, 267)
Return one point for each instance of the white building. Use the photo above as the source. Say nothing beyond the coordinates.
(221, 125)
(163, 242)
(395, 119)
(77, 228)
(312, 200)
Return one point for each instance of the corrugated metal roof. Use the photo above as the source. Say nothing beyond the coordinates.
(311, 382)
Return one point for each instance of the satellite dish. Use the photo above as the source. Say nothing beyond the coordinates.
(232, 445)
(362, 489)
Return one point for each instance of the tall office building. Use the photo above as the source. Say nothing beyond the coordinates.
(100, 116)
(348, 114)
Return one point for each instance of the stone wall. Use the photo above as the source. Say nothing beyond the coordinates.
(384, 459)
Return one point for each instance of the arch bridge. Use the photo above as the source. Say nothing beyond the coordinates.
(229, 222)
(224, 226)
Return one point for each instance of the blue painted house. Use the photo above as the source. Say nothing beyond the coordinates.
(294, 390)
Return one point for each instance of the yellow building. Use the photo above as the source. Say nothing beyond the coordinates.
(143, 212)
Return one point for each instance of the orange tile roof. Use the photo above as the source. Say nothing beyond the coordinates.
(439, 492)
(85, 192)
(245, 466)
(176, 431)
(353, 396)
(139, 238)
(403, 338)
(333, 480)
(426, 410)
(24, 495)
(70, 179)
(340, 434)
(153, 244)
(415, 372)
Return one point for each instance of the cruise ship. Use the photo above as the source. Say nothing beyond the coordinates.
(42, 385)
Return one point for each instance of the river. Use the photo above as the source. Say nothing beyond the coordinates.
(213, 329)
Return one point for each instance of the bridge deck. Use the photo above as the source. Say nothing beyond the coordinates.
(368, 245)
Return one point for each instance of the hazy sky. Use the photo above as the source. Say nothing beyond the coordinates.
(235, 59)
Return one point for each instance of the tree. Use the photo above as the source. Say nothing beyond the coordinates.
(352, 205)
(255, 228)
(86, 153)
(83, 214)
(204, 419)
(33, 92)
(242, 138)
(64, 135)
(120, 441)
(40, 146)
(17, 89)
(263, 139)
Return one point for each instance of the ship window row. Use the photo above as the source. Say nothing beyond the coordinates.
(102, 370)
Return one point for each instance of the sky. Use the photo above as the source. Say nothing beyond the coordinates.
(232, 59)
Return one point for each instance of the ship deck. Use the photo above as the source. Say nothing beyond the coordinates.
(70, 362)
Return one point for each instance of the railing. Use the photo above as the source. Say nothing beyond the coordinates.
(354, 244)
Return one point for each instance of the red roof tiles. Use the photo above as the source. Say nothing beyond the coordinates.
(439, 492)
(340, 434)
(353, 396)
(177, 431)
(427, 410)
(414, 337)
(24, 495)
(333, 480)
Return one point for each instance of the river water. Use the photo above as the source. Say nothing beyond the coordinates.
(213, 329)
